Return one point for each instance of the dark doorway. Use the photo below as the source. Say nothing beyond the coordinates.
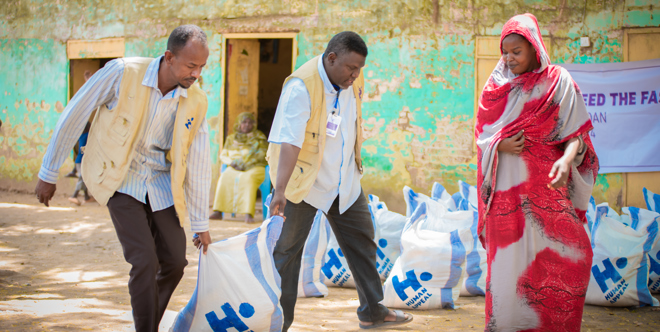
(255, 72)
(77, 70)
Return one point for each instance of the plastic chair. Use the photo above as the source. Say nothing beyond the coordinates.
(264, 188)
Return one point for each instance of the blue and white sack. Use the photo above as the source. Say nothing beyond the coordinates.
(388, 226)
(652, 200)
(311, 279)
(653, 204)
(335, 268)
(591, 216)
(474, 284)
(440, 194)
(238, 287)
(620, 268)
(476, 267)
(414, 199)
(429, 272)
(466, 198)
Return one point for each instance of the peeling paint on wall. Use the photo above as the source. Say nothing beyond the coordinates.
(33, 73)
(420, 86)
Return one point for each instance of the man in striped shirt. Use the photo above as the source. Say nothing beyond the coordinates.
(142, 208)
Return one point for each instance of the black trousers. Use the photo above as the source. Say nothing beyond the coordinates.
(154, 243)
(354, 232)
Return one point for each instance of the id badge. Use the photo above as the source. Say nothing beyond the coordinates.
(333, 125)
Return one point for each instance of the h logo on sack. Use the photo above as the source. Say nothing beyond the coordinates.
(342, 274)
(421, 293)
(387, 265)
(231, 319)
(610, 273)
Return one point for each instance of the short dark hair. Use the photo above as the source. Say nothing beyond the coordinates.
(347, 41)
(182, 34)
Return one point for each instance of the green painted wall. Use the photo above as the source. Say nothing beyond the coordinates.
(420, 94)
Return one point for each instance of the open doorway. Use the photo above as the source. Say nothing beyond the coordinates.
(77, 70)
(255, 69)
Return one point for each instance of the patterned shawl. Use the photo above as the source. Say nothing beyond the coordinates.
(246, 149)
(548, 106)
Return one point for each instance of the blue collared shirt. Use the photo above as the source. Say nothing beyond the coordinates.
(149, 173)
(339, 174)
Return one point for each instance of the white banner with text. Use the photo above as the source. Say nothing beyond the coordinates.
(623, 103)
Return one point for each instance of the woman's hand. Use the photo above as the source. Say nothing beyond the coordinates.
(562, 167)
(560, 171)
(513, 144)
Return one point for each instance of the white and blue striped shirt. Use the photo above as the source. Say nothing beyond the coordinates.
(149, 172)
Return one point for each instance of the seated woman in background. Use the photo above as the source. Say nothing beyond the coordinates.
(244, 153)
(537, 167)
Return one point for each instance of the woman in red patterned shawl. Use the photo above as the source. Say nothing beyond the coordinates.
(536, 171)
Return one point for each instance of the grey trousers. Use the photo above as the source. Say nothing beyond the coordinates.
(154, 243)
(354, 232)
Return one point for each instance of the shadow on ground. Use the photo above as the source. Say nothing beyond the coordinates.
(62, 269)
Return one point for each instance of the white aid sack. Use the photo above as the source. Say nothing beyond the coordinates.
(474, 283)
(414, 199)
(238, 287)
(310, 281)
(653, 204)
(591, 216)
(429, 272)
(388, 226)
(440, 194)
(620, 268)
(476, 267)
(652, 200)
(467, 199)
(335, 268)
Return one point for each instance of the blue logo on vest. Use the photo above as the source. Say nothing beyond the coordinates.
(189, 122)
(610, 273)
(232, 319)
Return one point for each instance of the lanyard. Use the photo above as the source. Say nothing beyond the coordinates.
(336, 107)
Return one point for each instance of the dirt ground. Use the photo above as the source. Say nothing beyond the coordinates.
(62, 269)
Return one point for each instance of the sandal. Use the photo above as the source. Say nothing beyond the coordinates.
(400, 320)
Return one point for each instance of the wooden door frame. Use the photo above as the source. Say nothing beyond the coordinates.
(77, 49)
(626, 43)
(264, 35)
(479, 54)
(633, 31)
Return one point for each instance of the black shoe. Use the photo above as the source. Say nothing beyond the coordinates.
(72, 174)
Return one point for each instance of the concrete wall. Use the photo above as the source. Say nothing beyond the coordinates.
(419, 109)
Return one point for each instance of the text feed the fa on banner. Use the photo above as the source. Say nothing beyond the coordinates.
(623, 101)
